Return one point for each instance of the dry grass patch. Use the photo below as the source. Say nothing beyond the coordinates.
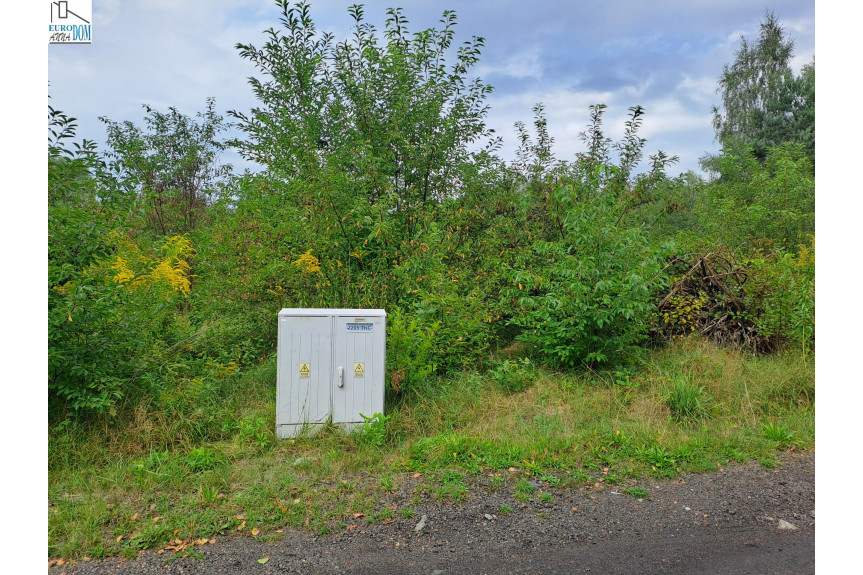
(649, 410)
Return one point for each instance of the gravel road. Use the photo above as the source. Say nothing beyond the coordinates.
(742, 519)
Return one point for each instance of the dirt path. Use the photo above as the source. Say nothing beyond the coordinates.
(744, 519)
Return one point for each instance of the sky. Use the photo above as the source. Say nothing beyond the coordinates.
(664, 56)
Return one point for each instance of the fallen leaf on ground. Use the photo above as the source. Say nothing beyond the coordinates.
(263, 560)
(176, 545)
(360, 514)
(415, 475)
(241, 526)
(255, 532)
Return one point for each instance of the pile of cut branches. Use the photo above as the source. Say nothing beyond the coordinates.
(707, 296)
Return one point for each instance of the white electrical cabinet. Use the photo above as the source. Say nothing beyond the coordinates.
(331, 366)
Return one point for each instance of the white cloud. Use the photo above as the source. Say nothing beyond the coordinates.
(634, 91)
(527, 64)
(105, 12)
(669, 117)
(701, 89)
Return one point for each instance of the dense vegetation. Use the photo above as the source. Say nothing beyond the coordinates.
(381, 187)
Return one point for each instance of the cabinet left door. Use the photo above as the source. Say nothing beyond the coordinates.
(303, 392)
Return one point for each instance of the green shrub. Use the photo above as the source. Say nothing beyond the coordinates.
(589, 296)
(583, 289)
(780, 298)
(410, 351)
(765, 206)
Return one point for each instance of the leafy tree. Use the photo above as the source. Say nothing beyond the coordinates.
(372, 169)
(804, 110)
(365, 123)
(172, 164)
(763, 103)
(534, 160)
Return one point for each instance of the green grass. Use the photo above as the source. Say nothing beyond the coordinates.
(205, 468)
(687, 402)
(451, 487)
(637, 492)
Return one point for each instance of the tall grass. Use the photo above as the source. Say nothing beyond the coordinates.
(204, 465)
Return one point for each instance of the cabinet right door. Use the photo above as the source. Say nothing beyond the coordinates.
(358, 351)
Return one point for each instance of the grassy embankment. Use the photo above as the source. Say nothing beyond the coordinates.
(205, 462)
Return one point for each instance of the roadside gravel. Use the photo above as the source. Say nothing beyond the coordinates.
(742, 519)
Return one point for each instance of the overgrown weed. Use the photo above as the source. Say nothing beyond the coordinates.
(221, 467)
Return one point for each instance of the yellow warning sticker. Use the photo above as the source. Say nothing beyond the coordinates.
(359, 370)
(305, 370)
